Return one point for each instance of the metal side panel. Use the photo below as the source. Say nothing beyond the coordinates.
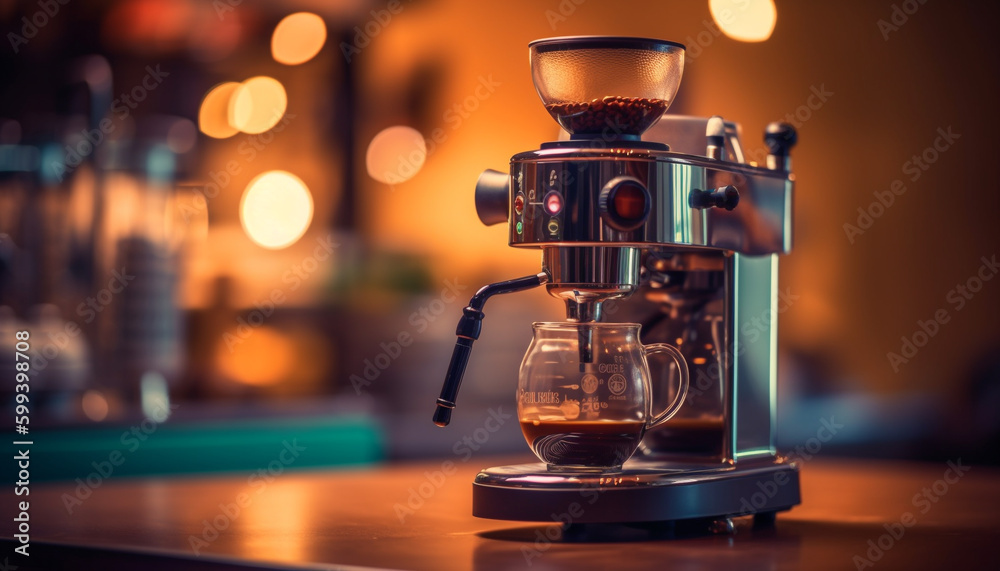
(754, 355)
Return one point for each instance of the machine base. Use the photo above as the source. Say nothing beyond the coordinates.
(643, 491)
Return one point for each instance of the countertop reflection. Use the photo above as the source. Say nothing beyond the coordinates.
(891, 515)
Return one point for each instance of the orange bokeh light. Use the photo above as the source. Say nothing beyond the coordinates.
(257, 104)
(396, 154)
(213, 116)
(276, 209)
(298, 38)
(261, 359)
(745, 20)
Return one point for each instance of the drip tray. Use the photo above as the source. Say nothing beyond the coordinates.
(642, 492)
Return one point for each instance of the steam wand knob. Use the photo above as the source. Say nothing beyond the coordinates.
(715, 137)
(469, 327)
(780, 138)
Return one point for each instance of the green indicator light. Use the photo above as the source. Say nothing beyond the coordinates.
(553, 227)
(518, 227)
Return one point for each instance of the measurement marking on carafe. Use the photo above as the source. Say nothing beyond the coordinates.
(617, 384)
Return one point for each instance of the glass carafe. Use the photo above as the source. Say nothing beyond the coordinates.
(584, 396)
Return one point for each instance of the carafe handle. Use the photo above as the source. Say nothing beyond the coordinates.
(682, 390)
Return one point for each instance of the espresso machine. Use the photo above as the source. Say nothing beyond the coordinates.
(668, 226)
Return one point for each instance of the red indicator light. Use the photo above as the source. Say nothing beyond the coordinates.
(518, 204)
(553, 203)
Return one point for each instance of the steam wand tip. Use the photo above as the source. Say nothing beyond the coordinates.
(442, 414)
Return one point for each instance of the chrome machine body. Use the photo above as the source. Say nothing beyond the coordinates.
(684, 239)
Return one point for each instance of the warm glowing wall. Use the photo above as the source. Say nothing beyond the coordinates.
(865, 104)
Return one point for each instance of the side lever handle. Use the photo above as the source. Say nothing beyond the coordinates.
(469, 327)
(725, 197)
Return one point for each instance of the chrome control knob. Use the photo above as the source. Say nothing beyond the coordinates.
(624, 203)
(492, 196)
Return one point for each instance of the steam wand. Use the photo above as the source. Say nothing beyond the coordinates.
(469, 327)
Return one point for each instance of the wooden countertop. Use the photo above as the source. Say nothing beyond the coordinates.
(340, 519)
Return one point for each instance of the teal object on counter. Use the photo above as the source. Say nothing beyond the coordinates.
(149, 449)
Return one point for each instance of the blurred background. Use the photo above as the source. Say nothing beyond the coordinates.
(235, 221)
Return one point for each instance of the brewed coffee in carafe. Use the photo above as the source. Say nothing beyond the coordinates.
(584, 397)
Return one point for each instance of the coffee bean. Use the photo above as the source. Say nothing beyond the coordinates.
(625, 115)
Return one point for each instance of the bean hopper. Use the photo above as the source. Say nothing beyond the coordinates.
(674, 230)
